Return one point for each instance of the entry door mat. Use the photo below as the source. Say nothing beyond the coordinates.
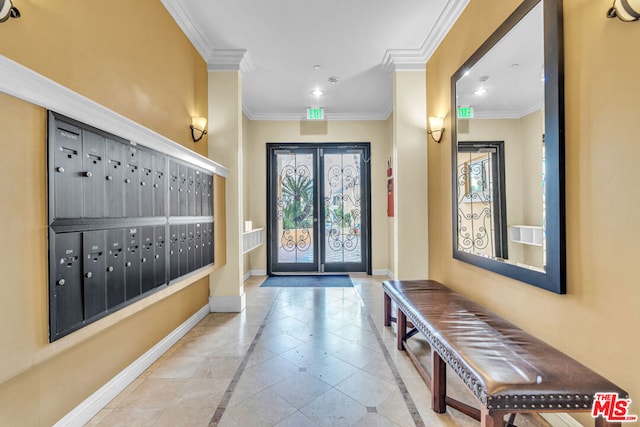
(308, 281)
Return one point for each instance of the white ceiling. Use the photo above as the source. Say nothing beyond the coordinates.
(276, 43)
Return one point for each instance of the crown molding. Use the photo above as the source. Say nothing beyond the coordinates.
(230, 60)
(23, 83)
(183, 19)
(416, 59)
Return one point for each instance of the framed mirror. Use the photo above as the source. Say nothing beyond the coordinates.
(508, 150)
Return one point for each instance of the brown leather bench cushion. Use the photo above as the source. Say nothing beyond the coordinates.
(504, 366)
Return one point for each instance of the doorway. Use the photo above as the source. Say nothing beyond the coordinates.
(318, 208)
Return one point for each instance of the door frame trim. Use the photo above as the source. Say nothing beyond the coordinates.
(366, 175)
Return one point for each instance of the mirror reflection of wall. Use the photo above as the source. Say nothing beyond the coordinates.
(523, 149)
(501, 98)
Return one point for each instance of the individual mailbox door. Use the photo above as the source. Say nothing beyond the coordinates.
(204, 194)
(132, 263)
(200, 244)
(182, 189)
(114, 179)
(94, 266)
(132, 184)
(147, 243)
(208, 210)
(198, 198)
(191, 191)
(174, 187)
(191, 246)
(115, 267)
(67, 171)
(146, 183)
(205, 244)
(159, 185)
(93, 166)
(160, 255)
(67, 286)
(184, 250)
(210, 246)
(174, 251)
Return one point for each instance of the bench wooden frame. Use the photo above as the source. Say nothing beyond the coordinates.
(409, 295)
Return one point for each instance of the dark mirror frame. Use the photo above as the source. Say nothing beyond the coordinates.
(554, 277)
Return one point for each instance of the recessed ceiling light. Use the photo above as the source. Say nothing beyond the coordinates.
(480, 91)
(316, 67)
(333, 80)
(483, 78)
(317, 92)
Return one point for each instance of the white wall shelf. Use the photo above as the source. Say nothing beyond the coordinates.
(526, 234)
(252, 239)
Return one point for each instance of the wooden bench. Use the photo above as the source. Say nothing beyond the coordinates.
(508, 370)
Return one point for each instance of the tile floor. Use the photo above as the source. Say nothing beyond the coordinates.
(294, 357)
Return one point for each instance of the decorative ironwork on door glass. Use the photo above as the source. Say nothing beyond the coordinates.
(342, 207)
(476, 228)
(295, 208)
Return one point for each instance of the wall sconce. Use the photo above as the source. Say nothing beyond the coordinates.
(436, 128)
(626, 10)
(198, 124)
(8, 10)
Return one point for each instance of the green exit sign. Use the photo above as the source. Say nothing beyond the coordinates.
(465, 112)
(315, 113)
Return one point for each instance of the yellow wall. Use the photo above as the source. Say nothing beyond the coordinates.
(132, 58)
(410, 226)
(597, 321)
(375, 132)
(226, 136)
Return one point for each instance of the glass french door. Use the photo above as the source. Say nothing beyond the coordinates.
(318, 208)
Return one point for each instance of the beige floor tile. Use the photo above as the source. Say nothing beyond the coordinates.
(127, 417)
(177, 367)
(300, 389)
(334, 408)
(395, 409)
(332, 370)
(305, 355)
(263, 408)
(185, 417)
(247, 386)
(273, 370)
(366, 389)
(151, 393)
(374, 420)
(200, 393)
(297, 419)
(222, 368)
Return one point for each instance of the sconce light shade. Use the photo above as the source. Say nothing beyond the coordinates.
(626, 10)
(198, 124)
(8, 10)
(436, 131)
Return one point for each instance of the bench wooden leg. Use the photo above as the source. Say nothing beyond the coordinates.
(489, 419)
(438, 383)
(387, 310)
(402, 329)
(601, 422)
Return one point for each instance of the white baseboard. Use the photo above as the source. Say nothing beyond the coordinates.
(252, 273)
(82, 413)
(227, 304)
(561, 420)
(381, 272)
